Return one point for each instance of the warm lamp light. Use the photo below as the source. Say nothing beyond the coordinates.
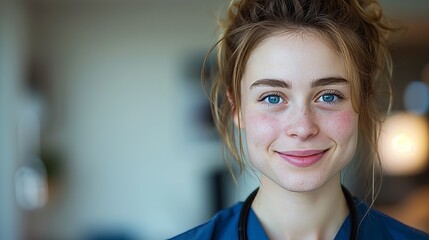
(403, 144)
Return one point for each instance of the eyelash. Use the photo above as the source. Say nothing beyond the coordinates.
(336, 93)
(268, 94)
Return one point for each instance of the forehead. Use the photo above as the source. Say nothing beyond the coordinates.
(294, 56)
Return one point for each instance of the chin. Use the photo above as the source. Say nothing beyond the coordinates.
(303, 187)
(307, 183)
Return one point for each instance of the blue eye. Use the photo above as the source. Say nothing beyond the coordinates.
(329, 97)
(273, 99)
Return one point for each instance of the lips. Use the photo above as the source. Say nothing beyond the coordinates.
(304, 158)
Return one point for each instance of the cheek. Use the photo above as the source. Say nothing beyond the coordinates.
(261, 129)
(343, 124)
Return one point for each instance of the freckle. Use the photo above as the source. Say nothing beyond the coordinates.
(345, 121)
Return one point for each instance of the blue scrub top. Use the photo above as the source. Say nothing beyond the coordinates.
(376, 225)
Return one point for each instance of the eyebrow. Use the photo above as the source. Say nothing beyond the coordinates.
(272, 83)
(287, 84)
(328, 81)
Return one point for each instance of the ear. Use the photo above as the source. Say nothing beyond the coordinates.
(236, 116)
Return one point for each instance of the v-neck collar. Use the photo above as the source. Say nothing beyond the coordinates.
(256, 232)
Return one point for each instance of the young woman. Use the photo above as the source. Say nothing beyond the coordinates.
(298, 79)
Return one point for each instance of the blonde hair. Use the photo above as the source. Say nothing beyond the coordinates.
(356, 28)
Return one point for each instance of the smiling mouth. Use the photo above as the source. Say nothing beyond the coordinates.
(303, 158)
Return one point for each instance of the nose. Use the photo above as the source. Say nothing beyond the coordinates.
(302, 124)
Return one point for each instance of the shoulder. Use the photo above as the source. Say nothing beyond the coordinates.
(220, 226)
(377, 225)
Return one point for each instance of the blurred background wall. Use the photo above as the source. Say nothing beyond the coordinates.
(13, 33)
(105, 130)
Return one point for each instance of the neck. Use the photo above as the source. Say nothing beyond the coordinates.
(316, 214)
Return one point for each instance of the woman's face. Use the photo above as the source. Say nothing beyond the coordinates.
(296, 111)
